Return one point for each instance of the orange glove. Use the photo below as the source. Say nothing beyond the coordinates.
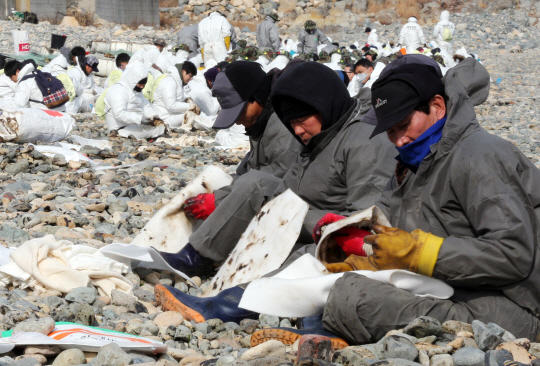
(200, 207)
(352, 263)
(394, 248)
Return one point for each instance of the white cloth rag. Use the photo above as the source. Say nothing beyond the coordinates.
(45, 263)
(302, 288)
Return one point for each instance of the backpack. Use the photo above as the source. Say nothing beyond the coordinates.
(52, 89)
(446, 34)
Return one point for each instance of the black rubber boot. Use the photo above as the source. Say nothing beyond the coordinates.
(308, 322)
(189, 261)
(224, 306)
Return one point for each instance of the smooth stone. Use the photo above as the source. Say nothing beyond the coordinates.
(423, 326)
(442, 360)
(485, 336)
(82, 294)
(468, 356)
(70, 357)
(168, 318)
(399, 347)
(43, 326)
(270, 348)
(111, 355)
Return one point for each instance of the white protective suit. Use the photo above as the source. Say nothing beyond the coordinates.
(79, 79)
(212, 33)
(334, 62)
(373, 37)
(127, 110)
(57, 66)
(28, 92)
(439, 29)
(91, 91)
(169, 95)
(147, 56)
(7, 87)
(411, 36)
(279, 62)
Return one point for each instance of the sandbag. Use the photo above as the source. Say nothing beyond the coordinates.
(265, 244)
(170, 228)
(31, 125)
(328, 251)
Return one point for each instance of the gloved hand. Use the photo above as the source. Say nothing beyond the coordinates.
(200, 207)
(352, 263)
(351, 240)
(156, 122)
(326, 220)
(394, 248)
(227, 42)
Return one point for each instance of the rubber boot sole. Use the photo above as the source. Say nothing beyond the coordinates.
(288, 337)
(169, 302)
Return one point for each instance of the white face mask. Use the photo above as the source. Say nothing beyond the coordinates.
(361, 77)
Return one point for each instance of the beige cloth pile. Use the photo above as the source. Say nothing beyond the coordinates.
(46, 264)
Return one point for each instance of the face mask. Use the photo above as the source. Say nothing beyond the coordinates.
(137, 89)
(123, 67)
(361, 77)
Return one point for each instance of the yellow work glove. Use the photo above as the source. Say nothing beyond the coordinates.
(394, 248)
(227, 42)
(352, 263)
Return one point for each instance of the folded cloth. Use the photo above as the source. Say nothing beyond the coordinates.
(45, 263)
(302, 288)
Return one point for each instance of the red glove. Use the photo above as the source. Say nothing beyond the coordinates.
(327, 219)
(351, 240)
(200, 207)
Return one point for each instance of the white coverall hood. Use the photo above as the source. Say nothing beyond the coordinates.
(445, 15)
(412, 20)
(26, 70)
(132, 75)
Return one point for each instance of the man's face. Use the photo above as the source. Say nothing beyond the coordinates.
(349, 72)
(186, 77)
(123, 65)
(88, 69)
(416, 123)
(249, 115)
(370, 58)
(15, 77)
(307, 127)
(160, 47)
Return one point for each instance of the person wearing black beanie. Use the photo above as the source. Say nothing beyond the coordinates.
(340, 171)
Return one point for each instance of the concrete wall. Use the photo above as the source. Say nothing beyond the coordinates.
(130, 12)
(5, 8)
(51, 10)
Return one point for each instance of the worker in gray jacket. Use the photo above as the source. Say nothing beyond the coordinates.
(267, 33)
(465, 208)
(310, 37)
(339, 170)
(189, 35)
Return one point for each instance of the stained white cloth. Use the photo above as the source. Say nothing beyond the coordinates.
(202, 96)
(45, 263)
(411, 35)
(307, 283)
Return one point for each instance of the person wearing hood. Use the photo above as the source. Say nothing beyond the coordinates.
(127, 110)
(373, 37)
(443, 32)
(78, 75)
(339, 170)
(214, 37)
(267, 33)
(169, 100)
(411, 36)
(122, 60)
(463, 205)
(91, 90)
(189, 35)
(27, 94)
(310, 38)
(60, 63)
(198, 92)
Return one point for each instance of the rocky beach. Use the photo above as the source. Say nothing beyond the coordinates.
(110, 199)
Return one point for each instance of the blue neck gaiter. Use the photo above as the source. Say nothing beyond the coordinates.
(412, 154)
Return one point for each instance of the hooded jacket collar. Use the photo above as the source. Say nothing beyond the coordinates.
(132, 75)
(26, 70)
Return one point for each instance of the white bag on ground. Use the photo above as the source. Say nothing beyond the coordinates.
(31, 125)
(21, 42)
(265, 244)
(170, 228)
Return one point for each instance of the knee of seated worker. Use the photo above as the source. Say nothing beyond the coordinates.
(253, 180)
